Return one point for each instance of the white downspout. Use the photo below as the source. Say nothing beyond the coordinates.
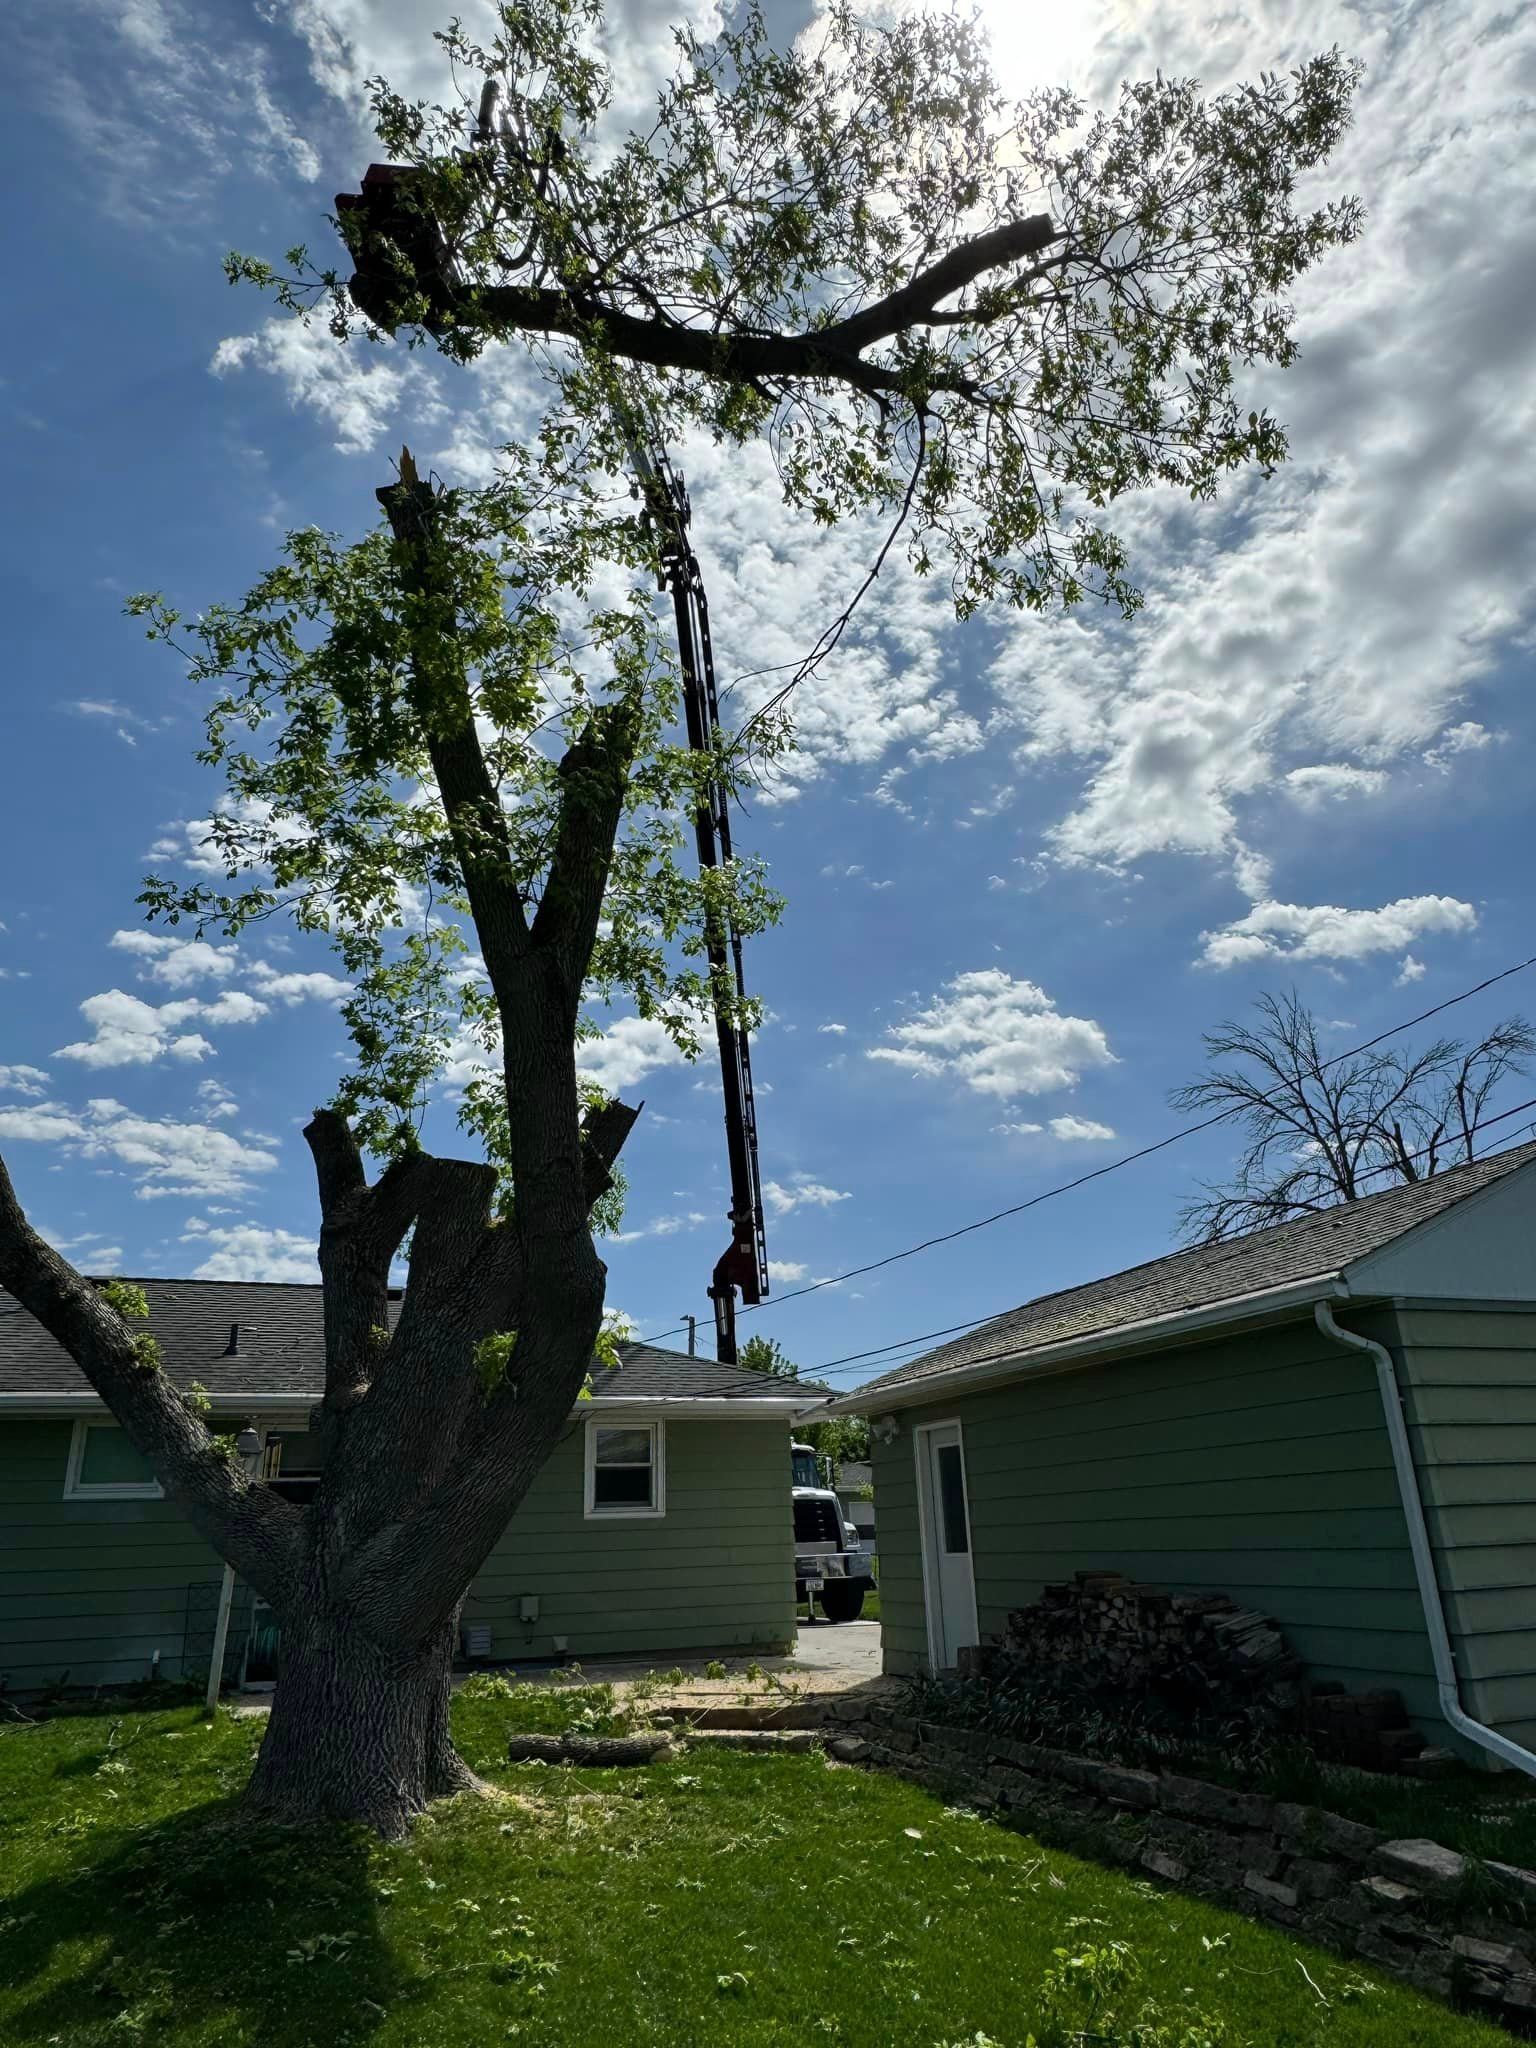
(1451, 1708)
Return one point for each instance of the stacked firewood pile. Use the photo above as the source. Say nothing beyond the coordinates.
(1103, 1633)
(1104, 1629)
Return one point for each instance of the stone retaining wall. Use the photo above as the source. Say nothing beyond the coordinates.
(1413, 1908)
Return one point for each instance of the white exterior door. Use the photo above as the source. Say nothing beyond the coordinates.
(949, 1586)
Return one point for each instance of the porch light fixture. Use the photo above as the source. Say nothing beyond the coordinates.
(885, 1429)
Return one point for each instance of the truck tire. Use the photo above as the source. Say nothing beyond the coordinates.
(841, 1601)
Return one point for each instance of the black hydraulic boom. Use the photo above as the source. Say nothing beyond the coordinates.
(743, 1266)
(388, 211)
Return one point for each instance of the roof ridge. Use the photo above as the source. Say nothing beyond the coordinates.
(1153, 1285)
(1314, 1219)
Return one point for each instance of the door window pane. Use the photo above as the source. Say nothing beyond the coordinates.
(952, 1498)
(109, 1459)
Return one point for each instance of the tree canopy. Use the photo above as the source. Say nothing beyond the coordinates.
(413, 730)
(984, 319)
(450, 746)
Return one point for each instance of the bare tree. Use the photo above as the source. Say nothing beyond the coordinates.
(1320, 1130)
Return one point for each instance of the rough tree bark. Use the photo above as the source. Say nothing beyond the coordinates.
(426, 1463)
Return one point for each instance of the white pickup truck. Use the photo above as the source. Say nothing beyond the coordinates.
(830, 1563)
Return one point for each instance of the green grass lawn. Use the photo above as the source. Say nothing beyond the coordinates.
(724, 1898)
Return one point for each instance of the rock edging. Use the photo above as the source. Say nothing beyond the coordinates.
(1417, 1910)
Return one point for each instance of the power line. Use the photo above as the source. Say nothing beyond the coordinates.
(913, 1343)
(1115, 1165)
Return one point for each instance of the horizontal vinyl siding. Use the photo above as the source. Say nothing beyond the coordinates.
(1468, 1380)
(903, 1628)
(90, 1589)
(716, 1572)
(1257, 1467)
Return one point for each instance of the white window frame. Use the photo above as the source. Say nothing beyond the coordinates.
(75, 1488)
(658, 1434)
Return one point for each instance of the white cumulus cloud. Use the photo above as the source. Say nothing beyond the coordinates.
(662, 1226)
(164, 1156)
(298, 988)
(999, 1036)
(1322, 931)
(251, 1251)
(23, 1080)
(129, 1032)
(1332, 783)
(801, 1192)
(629, 1049)
(1467, 738)
(1078, 1129)
(358, 389)
(179, 963)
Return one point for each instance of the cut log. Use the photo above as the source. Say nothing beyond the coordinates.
(592, 1752)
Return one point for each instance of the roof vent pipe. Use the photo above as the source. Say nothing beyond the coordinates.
(1455, 1714)
(232, 1348)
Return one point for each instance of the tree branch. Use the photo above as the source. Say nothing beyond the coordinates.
(445, 711)
(246, 1523)
(603, 1132)
(743, 358)
(361, 1229)
(593, 776)
(920, 296)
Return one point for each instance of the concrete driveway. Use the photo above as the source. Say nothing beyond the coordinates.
(847, 1652)
(830, 1657)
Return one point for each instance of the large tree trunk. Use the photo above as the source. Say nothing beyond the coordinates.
(358, 1731)
(429, 1447)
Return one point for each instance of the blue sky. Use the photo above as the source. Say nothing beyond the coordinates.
(1027, 861)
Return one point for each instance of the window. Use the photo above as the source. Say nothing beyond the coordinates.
(103, 1465)
(291, 1464)
(957, 1537)
(626, 1469)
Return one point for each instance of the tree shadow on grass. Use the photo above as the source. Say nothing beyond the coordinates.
(206, 1928)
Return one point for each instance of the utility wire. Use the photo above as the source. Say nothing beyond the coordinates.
(1113, 1165)
(1210, 1265)
(732, 1389)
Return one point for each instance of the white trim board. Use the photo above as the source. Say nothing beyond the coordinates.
(704, 1408)
(927, 1523)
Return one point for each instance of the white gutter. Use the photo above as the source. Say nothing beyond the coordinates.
(44, 1406)
(704, 1408)
(1446, 1683)
(938, 1386)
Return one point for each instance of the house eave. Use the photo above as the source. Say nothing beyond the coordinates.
(698, 1408)
(42, 1407)
(1078, 1353)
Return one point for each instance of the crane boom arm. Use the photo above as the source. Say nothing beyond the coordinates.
(743, 1266)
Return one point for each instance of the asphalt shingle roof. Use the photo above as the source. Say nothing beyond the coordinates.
(1207, 1274)
(282, 1350)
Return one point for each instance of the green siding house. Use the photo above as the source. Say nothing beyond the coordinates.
(1332, 1420)
(661, 1524)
